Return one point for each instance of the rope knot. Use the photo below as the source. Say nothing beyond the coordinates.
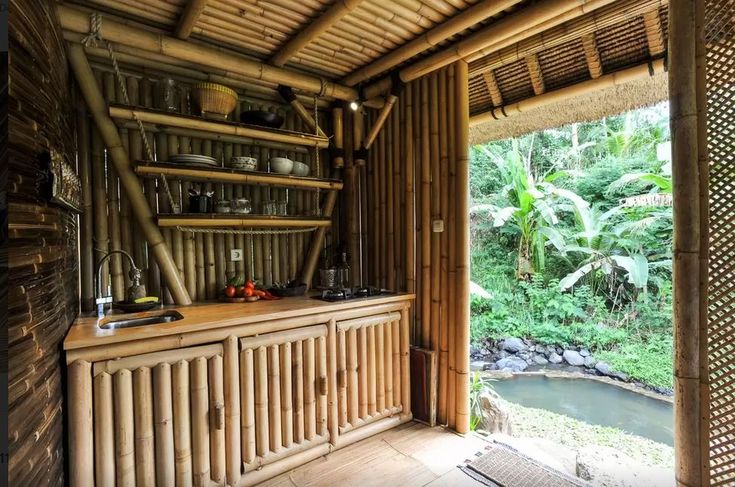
(95, 25)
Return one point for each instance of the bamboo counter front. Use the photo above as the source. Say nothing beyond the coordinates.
(233, 394)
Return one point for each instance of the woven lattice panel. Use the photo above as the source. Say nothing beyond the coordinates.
(720, 66)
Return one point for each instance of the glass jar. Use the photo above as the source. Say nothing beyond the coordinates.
(281, 208)
(269, 207)
(241, 205)
(169, 95)
(223, 206)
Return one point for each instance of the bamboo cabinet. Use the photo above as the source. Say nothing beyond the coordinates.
(235, 404)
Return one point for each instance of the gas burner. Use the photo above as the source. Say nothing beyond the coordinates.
(343, 294)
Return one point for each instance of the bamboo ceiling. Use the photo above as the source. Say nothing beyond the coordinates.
(582, 40)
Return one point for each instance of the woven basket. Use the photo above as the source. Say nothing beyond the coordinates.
(213, 98)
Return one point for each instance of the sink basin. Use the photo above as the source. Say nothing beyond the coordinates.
(166, 317)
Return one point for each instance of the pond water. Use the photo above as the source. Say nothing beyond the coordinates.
(593, 402)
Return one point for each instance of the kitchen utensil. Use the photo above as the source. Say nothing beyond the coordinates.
(244, 163)
(261, 118)
(300, 169)
(168, 95)
(195, 159)
(213, 98)
(328, 277)
(294, 288)
(281, 165)
(200, 203)
(223, 206)
(241, 205)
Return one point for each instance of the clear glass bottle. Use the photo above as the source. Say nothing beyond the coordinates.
(343, 270)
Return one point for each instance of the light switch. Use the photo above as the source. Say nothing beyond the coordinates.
(235, 255)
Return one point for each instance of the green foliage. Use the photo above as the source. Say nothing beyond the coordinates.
(478, 384)
(565, 265)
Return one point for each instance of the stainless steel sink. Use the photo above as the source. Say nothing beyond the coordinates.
(167, 317)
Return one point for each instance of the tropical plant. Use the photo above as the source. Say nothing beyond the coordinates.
(478, 385)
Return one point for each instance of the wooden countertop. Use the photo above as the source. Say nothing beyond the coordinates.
(86, 331)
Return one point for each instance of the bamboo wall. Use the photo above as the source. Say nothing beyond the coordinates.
(203, 259)
(415, 183)
(42, 250)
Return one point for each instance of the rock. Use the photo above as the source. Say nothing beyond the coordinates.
(539, 349)
(503, 354)
(512, 364)
(540, 360)
(573, 357)
(525, 355)
(555, 358)
(495, 416)
(605, 466)
(603, 368)
(620, 376)
(558, 350)
(590, 362)
(584, 352)
(474, 351)
(489, 366)
(477, 365)
(513, 345)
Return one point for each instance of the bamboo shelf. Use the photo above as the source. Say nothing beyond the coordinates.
(233, 176)
(230, 220)
(248, 132)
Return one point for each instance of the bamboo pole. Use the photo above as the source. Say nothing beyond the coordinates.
(340, 374)
(405, 362)
(274, 399)
(182, 422)
(232, 410)
(462, 323)
(387, 350)
(286, 395)
(124, 428)
(371, 372)
(200, 422)
(390, 101)
(247, 391)
(425, 300)
(81, 441)
(189, 17)
(445, 190)
(309, 390)
(379, 359)
(410, 194)
(104, 434)
(261, 402)
(323, 387)
(389, 182)
(313, 30)
(452, 261)
(145, 468)
(395, 330)
(77, 21)
(121, 112)
(290, 97)
(338, 161)
(128, 226)
(107, 129)
(86, 219)
(464, 20)
(435, 210)
(352, 376)
(362, 370)
(381, 195)
(217, 419)
(297, 361)
(163, 415)
(684, 112)
(101, 241)
(352, 192)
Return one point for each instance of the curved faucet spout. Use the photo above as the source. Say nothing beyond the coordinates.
(135, 276)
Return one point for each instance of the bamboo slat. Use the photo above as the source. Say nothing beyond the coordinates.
(232, 409)
(322, 389)
(182, 422)
(80, 418)
(104, 431)
(216, 420)
(352, 377)
(163, 416)
(200, 422)
(309, 389)
(261, 401)
(247, 391)
(145, 467)
(124, 428)
(297, 361)
(274, 399)
(286, 395)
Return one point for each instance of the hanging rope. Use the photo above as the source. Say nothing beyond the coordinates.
(231, 231)
(92, 39)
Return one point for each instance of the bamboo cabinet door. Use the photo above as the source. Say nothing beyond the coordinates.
(283, 394)
(372, 369)
(159, 419)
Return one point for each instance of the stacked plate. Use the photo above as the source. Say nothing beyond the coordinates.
(194, 159)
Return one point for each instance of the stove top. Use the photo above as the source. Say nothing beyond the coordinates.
(344, 294)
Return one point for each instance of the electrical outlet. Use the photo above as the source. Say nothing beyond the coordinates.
(235, 255)
(437, 226)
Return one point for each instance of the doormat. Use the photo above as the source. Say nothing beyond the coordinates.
(503, 466)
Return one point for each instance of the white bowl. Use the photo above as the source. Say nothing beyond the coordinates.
(300, 169)
(244, 162)
(281, 165)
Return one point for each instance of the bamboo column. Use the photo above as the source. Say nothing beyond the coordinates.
(200, 422)
(104, 433)
(247, 391)
(333, 355)
(217, 423)
(261, 401)
(108, 131)
(425, 301)
(683, 94)
(182, 422)
(297, 361)
(452, 262)
(145, 469)
(352, 378)
(274, 399)
(286, 395)
(81, 448)
(310, 390)
(86, 219)
(435, 209)
(462, 320)
(124, 428)
(232, 410)
(410, 194)
(163, 416)
(444, 253)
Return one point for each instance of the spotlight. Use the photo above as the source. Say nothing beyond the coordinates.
(355, 105)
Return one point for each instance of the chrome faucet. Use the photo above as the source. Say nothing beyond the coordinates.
(135, 286)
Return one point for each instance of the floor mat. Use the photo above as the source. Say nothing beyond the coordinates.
(503, 466)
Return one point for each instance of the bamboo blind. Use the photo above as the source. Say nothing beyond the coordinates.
(720, 94)
(203, 259)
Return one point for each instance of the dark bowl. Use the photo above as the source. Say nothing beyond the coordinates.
(262, 118)
(288, 292)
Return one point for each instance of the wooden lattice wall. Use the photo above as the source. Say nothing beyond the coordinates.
(719, 32)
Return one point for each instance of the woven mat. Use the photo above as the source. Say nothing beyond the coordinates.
(503, 466)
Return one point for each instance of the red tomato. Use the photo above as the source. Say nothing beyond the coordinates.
(241, 291)
(230, 291)
(248, 291)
